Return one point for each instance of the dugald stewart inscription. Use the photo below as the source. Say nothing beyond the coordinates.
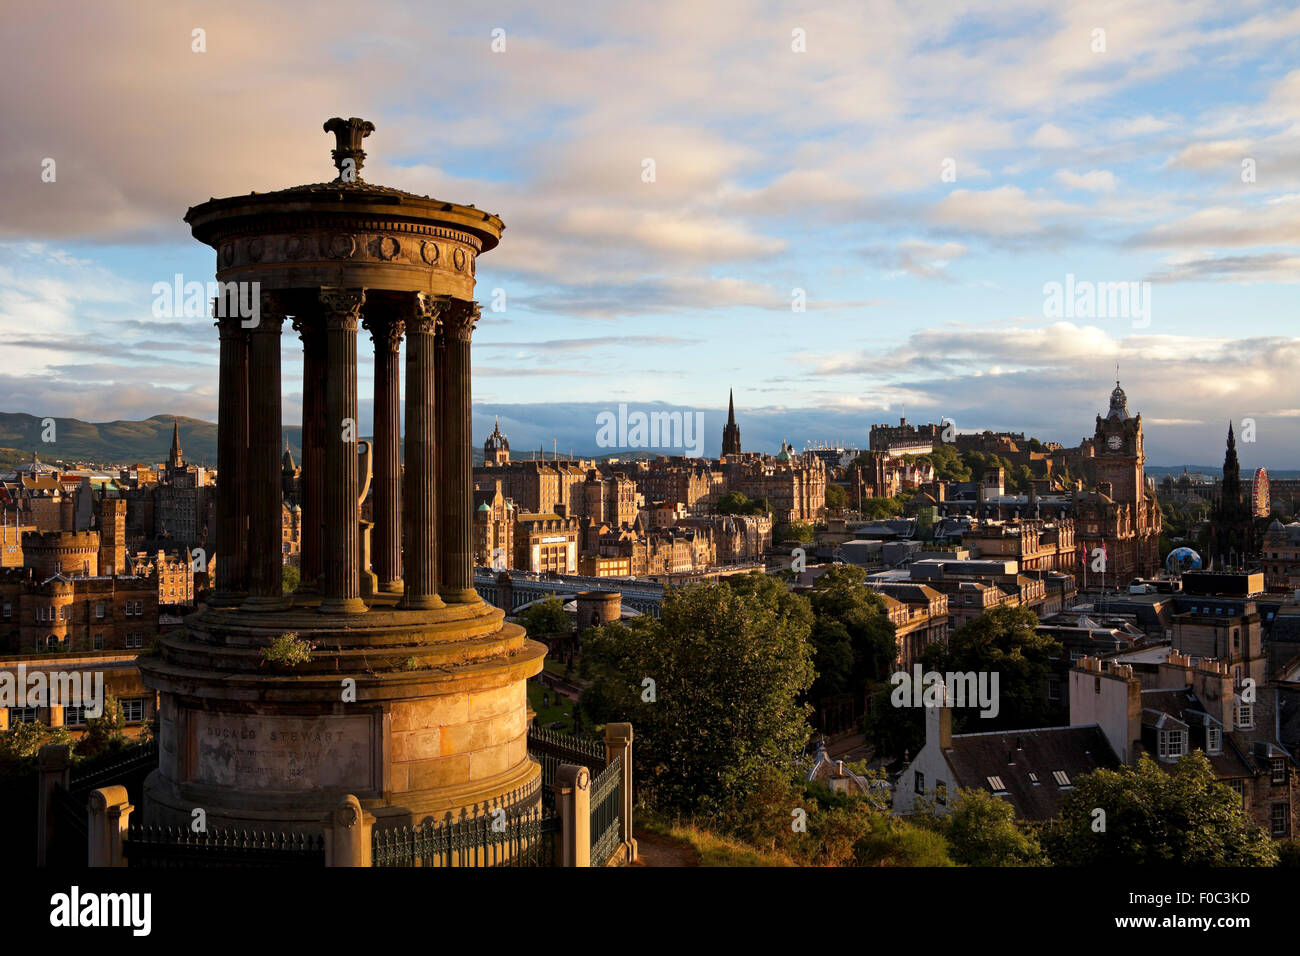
(283, 753)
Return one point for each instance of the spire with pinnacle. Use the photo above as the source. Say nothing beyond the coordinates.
(731, 433)
(174, 460)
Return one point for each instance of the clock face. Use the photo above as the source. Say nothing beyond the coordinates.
(1114, 442)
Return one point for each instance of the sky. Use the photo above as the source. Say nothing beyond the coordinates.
(858, 210)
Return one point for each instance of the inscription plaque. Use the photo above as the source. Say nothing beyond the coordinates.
(283, 753)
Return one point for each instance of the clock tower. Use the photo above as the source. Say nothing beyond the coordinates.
(1118, 453)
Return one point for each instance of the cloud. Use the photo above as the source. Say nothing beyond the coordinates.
(1096, 180)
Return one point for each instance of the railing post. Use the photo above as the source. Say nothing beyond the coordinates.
(618, 743)
(347, 834)
(573, 804)
(108, 813)
(55, 767)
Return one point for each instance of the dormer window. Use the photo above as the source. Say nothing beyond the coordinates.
(1061, 777)
(995, 784)
(1244, 716)
(1213, 740)
(1173, 744)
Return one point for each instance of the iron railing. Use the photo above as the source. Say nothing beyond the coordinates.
(550, 748)
(496, 839)
(606, 797)
(71, 828)
(150, 846)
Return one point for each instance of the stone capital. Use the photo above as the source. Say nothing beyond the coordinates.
(342, 307)
(424, 312)
(459, 318)
(385, 330)
(229, 326)
(307, 326)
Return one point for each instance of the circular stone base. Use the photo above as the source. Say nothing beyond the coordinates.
(416, 713)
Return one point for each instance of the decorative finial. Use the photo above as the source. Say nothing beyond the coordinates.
(348, 154)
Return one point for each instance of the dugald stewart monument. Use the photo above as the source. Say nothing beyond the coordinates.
(384, 675)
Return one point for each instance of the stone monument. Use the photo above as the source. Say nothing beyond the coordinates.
(413, 697)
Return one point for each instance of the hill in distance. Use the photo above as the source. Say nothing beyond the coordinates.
(113, 443)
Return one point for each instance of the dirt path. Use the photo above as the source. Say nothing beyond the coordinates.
(655, 849)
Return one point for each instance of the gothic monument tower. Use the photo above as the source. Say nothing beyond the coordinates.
(731, 431)
(1233, 541)
(384, 675)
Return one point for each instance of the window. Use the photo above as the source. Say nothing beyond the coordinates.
(134, 640)
(8, 610)
(22, 715)
(74, 716)
(1278, 818)
(941, 791)
(1061, 777)
(97, 642)
(1279, 770)
(995, 784)
(133, 710)
(1240, 787)
(1173, 743)
(1033, 778)
(99, 610)
(1244, 715)
(1236, 639)
(918, 782)
(1213, 740)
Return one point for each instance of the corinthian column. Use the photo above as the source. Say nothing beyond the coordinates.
(265, 533)
(311, 330)
(386, 332)
(420, 484)
(341, 582)
(232, 464)
(456, 464)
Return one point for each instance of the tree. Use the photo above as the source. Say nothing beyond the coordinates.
(893, 731)
(1004, 641)
(1180, 815)
(836, 497)
(289, 578)
(981, 830)
(879, 508)
(800, 531)
(948, 465)
(20, 744)
(105, 732)
(852, 636)
(714, 687)
(736, 503)
(547, 617)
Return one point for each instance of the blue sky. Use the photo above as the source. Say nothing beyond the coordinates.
(776, 170)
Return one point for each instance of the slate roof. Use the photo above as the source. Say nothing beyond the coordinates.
(1016, 757)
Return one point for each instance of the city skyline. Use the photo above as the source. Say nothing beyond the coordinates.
(825, 170)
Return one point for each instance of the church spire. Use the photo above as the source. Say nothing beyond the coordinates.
(175, 459)
(731, 433)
